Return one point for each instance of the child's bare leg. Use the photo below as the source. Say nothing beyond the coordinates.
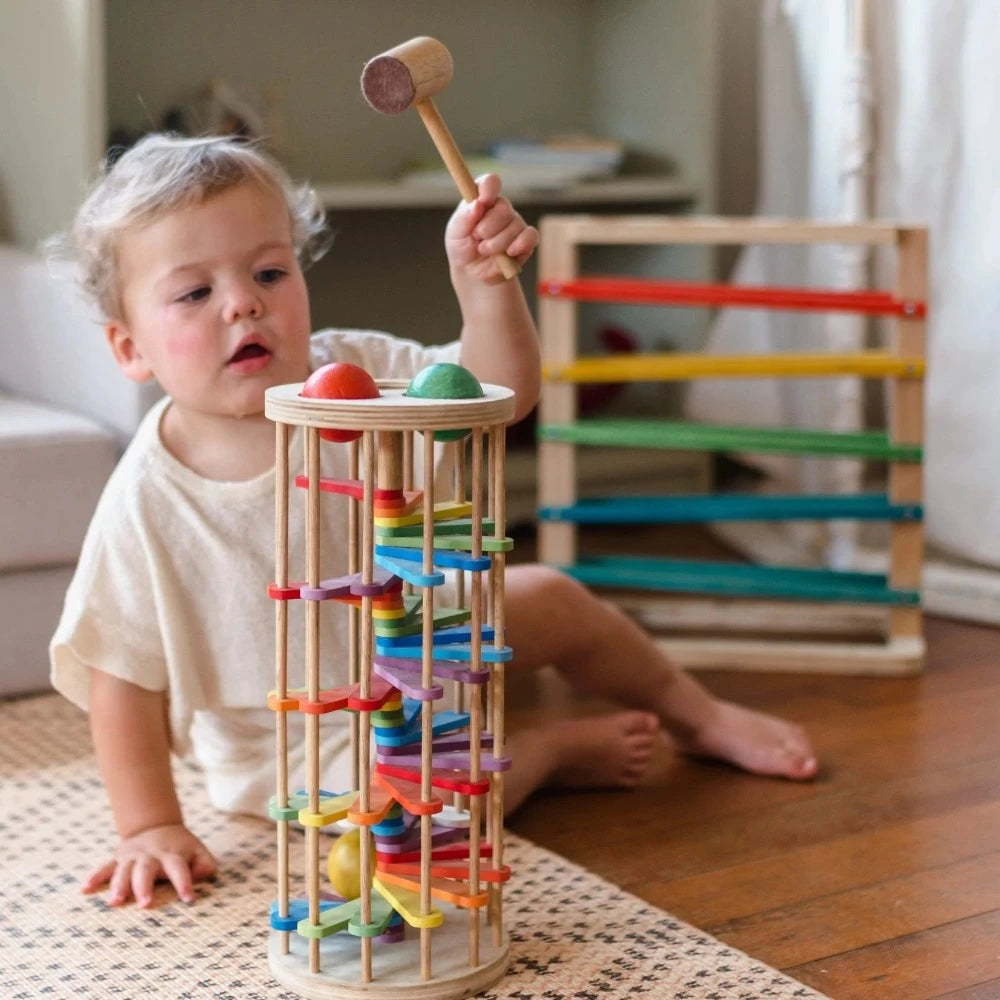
(607, 751)
(552, 619)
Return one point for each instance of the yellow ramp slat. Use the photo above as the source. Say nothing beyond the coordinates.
(666, 367)
(444, 511)
(449, 890)
(407, 904)
(331, 809)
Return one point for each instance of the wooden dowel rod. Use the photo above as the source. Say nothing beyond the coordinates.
(312, 683)
(498, 486)
(281, 663)
(475, 697)
(427, 716)
(354, 613)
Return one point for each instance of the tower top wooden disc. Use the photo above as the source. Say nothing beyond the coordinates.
(391, 411)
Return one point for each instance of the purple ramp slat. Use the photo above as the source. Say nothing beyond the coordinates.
(392, 935)
(338, 586)
(439, 835)
(382, 579)
(440, 668)
(404, 681)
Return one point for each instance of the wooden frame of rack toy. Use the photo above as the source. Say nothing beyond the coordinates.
(790, 618)
(437, 776)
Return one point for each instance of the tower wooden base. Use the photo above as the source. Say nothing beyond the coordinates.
(395, 967)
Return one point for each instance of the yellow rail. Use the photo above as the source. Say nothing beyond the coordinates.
(678, 367)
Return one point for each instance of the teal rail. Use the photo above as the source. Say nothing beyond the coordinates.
(732, 507)
(739, 580)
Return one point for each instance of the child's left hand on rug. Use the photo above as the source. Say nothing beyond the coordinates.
(169, 853)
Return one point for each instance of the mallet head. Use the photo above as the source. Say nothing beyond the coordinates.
(407, 74)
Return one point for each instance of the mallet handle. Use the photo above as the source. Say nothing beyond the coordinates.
(453, 160)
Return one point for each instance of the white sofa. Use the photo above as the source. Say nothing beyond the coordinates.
(65, 412)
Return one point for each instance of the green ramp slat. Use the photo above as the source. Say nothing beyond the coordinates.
(456, 526)
(682, 436)
(732, 507)
(458, 543)
(407, 626)
(739, 580)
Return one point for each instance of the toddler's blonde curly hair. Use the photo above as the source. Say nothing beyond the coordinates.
(163, 172)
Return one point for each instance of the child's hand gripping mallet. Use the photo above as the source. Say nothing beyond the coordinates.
(410, 75)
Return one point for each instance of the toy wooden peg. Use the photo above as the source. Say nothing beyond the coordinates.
(409, 75)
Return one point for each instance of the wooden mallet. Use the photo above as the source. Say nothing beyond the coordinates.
(409, 76)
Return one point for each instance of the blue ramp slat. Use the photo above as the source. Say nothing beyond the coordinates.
(733, 507)
(442, 723)
(443, 637)
(410, 573)
(447, 558)
(459, 653)
(739, 580)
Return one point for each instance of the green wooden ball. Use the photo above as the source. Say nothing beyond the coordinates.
(445, 381)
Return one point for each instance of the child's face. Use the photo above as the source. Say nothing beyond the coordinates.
(214, 303)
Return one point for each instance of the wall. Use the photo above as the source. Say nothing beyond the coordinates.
(507, 79)
(641, 70)
(51, 118)
(736, 114)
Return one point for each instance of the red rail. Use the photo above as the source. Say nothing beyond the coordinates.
(651, 292)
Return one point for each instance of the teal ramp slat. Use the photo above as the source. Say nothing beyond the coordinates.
(732, 507)
(739, 580)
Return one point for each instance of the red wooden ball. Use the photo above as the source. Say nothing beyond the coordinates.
(340, 380)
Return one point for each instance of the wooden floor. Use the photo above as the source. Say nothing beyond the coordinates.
(880, 880)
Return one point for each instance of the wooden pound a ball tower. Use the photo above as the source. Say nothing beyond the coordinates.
(428, 802)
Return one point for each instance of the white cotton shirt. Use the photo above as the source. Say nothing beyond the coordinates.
(170, 593)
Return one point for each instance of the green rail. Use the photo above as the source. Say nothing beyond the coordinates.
(682, 436)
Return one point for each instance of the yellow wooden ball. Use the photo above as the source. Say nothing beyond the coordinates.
(343, 864)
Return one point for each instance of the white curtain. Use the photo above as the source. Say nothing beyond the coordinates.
(935, 87)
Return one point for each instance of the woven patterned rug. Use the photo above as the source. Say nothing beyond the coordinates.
(573, 934)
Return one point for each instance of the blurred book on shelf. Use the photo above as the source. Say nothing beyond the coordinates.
(598, 157)
(529, 163)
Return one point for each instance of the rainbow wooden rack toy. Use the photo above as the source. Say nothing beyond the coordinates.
(434, 882)
(779, 603)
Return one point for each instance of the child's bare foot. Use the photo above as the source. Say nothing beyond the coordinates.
(759, 743)
(604, 751)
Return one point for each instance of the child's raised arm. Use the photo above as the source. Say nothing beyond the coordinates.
(499, 339)
(129, 728)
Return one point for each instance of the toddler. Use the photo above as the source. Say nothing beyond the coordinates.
(193, 249)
